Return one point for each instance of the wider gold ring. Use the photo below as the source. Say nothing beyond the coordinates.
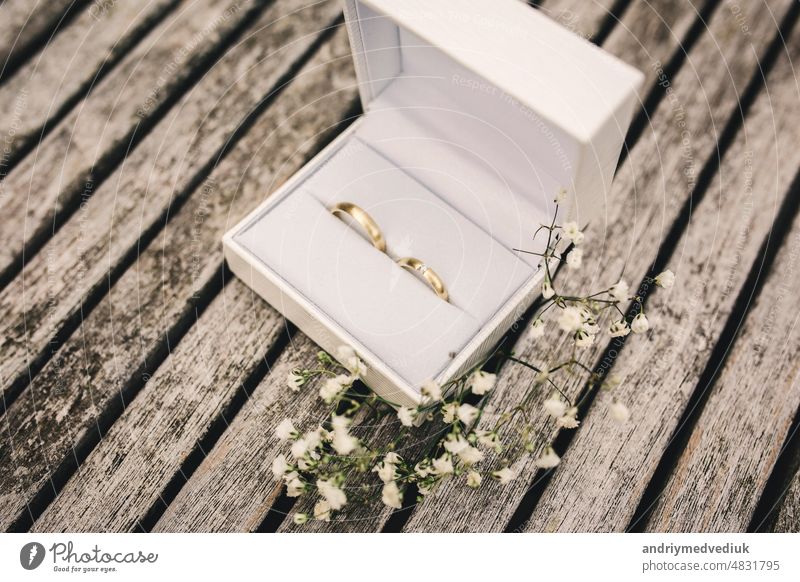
(365, 220)
(415, 265)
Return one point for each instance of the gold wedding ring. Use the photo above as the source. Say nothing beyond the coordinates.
(415, 265)
(365, 220)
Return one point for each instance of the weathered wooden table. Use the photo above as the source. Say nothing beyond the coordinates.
(142, 383)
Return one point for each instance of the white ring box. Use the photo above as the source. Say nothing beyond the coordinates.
(476, 114)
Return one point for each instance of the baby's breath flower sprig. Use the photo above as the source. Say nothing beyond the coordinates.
(341, 468)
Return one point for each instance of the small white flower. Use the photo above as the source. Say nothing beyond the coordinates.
(299, 448)
(640, 323)
(619, 411)
(332, 494)
(561, 196)
(504, 475)
(590, 327)
(583, 339)
(294, 486)
(569, 420)
(547, 289)
(620, 291)
(349, 359)
(340, 422)
(537, 329)
(332, 387)
(294, 380)
(619, 329)
(666, 279)
(542, 376)
(455, 443)
(555, 406)
(470, 455)
(449, 412)
(474, 479)
(572, 232)
(314, 438)
(481, 382)
(548, 460)
(391, 496)
(423, 469)
(575, 258)
(406, 416)
(571, 319)
(443, 465)
(431, 390)
(285, 430)
(344, 443)
(489, 439)
(386, 471)
(300, 518)
(392, 458)
(322, 510)
(467, 413)
(279, 466)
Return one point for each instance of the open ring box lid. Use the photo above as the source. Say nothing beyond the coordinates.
(476, 114)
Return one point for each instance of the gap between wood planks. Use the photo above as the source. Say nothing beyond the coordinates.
(62, 12)
(76, 194)
(758, 273)
(206, 295)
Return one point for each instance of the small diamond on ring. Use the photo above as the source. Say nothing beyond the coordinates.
(423, 268)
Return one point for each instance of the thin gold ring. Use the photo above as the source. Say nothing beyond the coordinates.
(415, 265)
(365, 220)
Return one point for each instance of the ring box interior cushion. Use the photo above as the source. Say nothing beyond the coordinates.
(476, 115)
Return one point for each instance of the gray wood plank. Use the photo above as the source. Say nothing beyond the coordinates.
(75, 262)
(102, 128)
(274, 147)
(125, 475)
(122, 334)
(68, 66)
(608, 466)
(24, 24)
(220, 495)
(721, 474)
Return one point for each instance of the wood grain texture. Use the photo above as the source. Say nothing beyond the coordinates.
(69, 66)
(607, 467)
(236, 324)
(120, 338)
(124, 476)
(76, 261)
(721, 474)
(649, 32)
(24, 24)
(233, 488)
(740, 433)
(103, 128)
